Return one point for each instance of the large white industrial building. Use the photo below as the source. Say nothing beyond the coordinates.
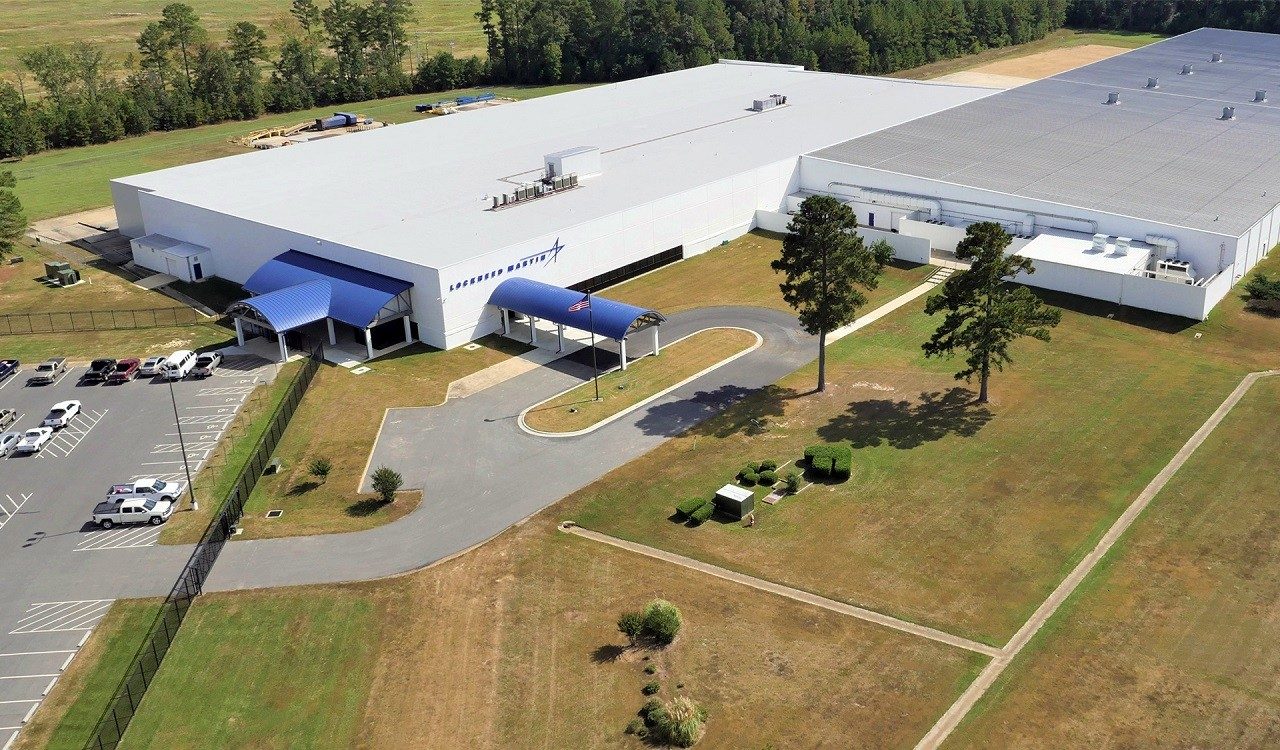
(1158, 201)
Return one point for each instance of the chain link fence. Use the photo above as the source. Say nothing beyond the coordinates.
(15, 324)
(120, 711)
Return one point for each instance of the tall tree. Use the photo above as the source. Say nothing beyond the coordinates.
(827, 265)
(985, 313)
(182, 26)
(247, 43)
(13, 222)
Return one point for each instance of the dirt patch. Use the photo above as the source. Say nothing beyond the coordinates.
(1049, 63)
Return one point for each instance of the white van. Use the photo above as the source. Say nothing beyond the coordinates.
(178, 365)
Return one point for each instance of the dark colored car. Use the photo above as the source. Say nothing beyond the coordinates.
(99, 369)
(9, 367)
(126, 370)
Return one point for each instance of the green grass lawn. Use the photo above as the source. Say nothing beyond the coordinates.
(577, 409)
(1171, 641)
(959, 516)
(54, 183)
(23, 291)
(115, 24)
(66, 718)
(84, 346)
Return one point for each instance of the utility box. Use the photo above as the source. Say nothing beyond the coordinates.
(735, 501)
(68, 277)
(53, 268)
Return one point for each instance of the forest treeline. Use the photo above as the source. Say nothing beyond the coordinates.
(339, 51)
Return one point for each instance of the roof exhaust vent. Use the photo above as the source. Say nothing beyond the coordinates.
(1260, 95)
(1099, 243)
(1122, 245)
(1228, 113)
(1187, 70)
(1217, 57)
(1113, 97)
(1153, 83)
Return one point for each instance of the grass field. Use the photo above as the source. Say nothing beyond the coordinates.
(339, 420)
(54, 183)
(1171, 643)
(22, 291)
(115, 24)
(437, 658)
(84, 346)
(1077, 427)
(577, 409)
(67, 717)
(1060, 39)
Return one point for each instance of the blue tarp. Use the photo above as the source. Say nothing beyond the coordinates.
(609, 318)
(355, 296)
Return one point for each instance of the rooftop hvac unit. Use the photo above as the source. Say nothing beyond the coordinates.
(1153, 83)
(1187, 70)
(1113, 97)
(1260, 95)
(1099, 243)
(1217, 57)
(1228, 113)
(573, 180)
(1122, 245)
(769, 102)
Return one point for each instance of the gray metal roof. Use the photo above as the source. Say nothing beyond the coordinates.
(1163, 155)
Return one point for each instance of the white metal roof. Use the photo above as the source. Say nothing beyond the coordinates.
(1077, 250)
(419, 191)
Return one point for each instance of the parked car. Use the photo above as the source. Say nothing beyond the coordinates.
(205, 364)
(61, 414)
(9, 367)
(33, 440)
(149, 488)
(129, 510)
(98, 370)
(126, 370)
(9, 441)
(178, 365)
(49, 371)
(7, 417)
(151, 367)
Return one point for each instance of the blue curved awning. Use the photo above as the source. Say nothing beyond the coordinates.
(291, 307)
(356, 296)
(609, 318)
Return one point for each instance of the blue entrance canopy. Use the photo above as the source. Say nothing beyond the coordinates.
(608, 317)
(287, 284)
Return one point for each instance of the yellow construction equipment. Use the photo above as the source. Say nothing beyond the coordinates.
(280, 131)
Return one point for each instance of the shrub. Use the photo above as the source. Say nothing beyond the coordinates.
(793, 482)
(687, 507)
(320, 468)
(768, 478)
(651, 687)
(631, 624)
(661, 621)
(637, 727)
(752, 466)
(651, 709)
(1264, 294)
(706, 511)
(768, 465)
(386, 482)
(833, 460)
(679, 722)
(749, 478)
(650, 669)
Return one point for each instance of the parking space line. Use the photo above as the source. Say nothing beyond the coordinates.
(145, 536)
(40, 653)
(26, 676)
(59, 617)
(21, 700)
(10, 507)
(73, 434)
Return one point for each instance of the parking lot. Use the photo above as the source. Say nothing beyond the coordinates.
(59, 573)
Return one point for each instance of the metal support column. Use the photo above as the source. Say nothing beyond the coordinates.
(622, 352)
(368, 342)
(533, 330)
(284, 348)
(333, 337)
(239, 332)
(408, 329)
(656, 347)
(559, 337)
(506, 322)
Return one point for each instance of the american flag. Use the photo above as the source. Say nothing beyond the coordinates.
(581, 304)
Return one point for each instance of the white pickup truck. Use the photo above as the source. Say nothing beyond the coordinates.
(149, 488)
(130, 510)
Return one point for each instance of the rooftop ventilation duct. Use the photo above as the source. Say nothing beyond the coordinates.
(1113, 97)
(1099, 243)
(905, 201)
(1153, 83)
(1260, 95)
(1168, 245)
(1228, 113)
(1122, 245)
(1217, 57)
(1187, 70)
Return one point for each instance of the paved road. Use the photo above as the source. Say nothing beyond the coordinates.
(481, 473)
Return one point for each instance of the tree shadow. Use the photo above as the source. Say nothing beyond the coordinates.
(302, 488)
(607, 653)
(366, 507)
(704, 413)
(903, 424)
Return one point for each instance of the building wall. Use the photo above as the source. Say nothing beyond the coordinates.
(697, 219)
(128, 209)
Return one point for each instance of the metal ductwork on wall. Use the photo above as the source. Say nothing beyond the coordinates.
(1168, 244)
(905, 201)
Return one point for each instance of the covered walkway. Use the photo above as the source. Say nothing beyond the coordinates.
(567, 308)
(296, 289)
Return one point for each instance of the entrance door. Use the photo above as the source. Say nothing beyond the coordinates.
(197, 272)
(871, 219)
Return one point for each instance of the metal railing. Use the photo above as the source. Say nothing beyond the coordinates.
(124, 704)
(13, 324)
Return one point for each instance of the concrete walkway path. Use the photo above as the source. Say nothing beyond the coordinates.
(799, 595)
(958, 710)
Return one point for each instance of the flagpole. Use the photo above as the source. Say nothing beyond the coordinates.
(591, 323)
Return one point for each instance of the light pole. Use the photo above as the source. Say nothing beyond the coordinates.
(182, 444)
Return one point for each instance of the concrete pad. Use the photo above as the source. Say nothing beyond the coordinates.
(155, 281)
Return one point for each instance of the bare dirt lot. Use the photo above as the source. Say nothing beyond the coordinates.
(1016, 71)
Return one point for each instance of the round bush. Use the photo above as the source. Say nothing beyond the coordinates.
(700, 515)
(752, 466)
(793, 482)
(768, 478)
(680, 722)
(662, 621)
(749, 478)
(631, 624)
(768, 465)
(651, 687)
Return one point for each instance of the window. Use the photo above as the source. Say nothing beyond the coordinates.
(149, 505)
(510, 268)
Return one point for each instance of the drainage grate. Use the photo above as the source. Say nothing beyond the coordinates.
(274, 513)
